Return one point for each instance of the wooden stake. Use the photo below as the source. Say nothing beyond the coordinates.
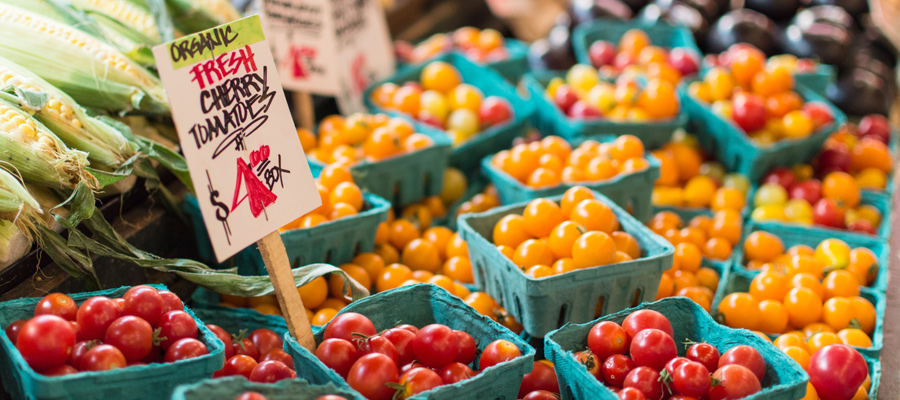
(279, 268)
(303, 106)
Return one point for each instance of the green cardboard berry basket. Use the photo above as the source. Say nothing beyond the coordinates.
(511, 69)
(819, 80)
(231, 387)
(421, 305)
(660, 33)
(549, 118)
(468, 154)
(152, 381)
(784, 379)
(233, 319)
(542, 305)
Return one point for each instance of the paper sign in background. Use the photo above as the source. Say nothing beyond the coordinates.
(237, 133)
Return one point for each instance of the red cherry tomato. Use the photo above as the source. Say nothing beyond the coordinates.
(94, 316)
(265, 340)
(251, 396)
(57, 304)
(401, 339)
(370, 374)
(337, 354)
(494, 111)
(541, 377)
(269, 372)
(704, 353)
(745, 356)
(184, 349)
(12, 331)
(145, 302)
(331, 397)
(644, 319)
(408, 327)
(616, 368)
(377, 344)
(44, 341)
(278, 355)
(837, 371)
(646, 380)
(735, 382)
(467, 348)
(691, 379)
(456, 372)
(591, 363)
(60, 370)
(748, 112)
(497, 352)
(652, 348)
(674, 364)
(418, 380)
(826, 212)
(436, 346)
(176, 325)
(103, 358)
(239, 365)
(246, 347)
(541, 395)
(414, 364)
(782, 176)
(345, 325)
(224, 336)
(132, 336)
(631, 393)
(78, 352)
(607, 338)
(171, 301)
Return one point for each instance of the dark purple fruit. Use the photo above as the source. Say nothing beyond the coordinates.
(833, 14)
(829, 43)
(554, 52)
(742, 25)
(859, 93)
(777, 10)
(854, 7)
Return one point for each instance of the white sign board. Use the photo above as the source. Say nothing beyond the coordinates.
(237, 133)
(329, 47)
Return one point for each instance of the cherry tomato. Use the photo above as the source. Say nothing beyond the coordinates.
(176, 325)
(377, 344)
(607, 338)
(102, 358)
(145, 302)
(246, 347)
(224, 336)
(541, 377)
(345, 325)
(45, 341)
(337, 354)
(269, 372)
(401, 339)
(467, 347)
(265, 340)
(704, 353)
(436, 346)
(735, 382)
(418, 380)
(57, 304)
(541, 395)
(239, 365)
(251, 396)
(837, 371)
(691, 379)
(132, 336)
(646, 380)
(674, 364)
(331, 397)
(456, 372)
(370, 374)
(12, 331)
(644, 319)
(78, 351)
(497, 352)
(616, 368)
(278, 355)
(631, 393)
(60, 370)
(494, 111)
(408, 327)
(589, 361)
(171, 301)
(748, 112)
(747, 357)
(94, 316)
(184, 349)
(652, 348)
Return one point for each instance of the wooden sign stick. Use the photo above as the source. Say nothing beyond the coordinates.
(303, 105)
(279, 268)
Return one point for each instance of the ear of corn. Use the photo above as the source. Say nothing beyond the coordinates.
(31, 150)
(94, 73)
(126, 12)
(104, 145)
(198, 15)
(17, 205)
(14, 243)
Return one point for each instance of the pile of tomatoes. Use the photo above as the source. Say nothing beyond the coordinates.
(860, 150)
(362, 138)
(639, 360)
(340, 195)
(482, 46)
(635, 52)
(258, 357)
(550, 239)
(144, 326)
(404, 360)
(258, 396)
(760, 98)
(441, 99)
(797, 198)
(552, 161)
(836, 371)
(748, 54)
(583, 95)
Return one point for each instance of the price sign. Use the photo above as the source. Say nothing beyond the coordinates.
(330, 47)
(237, 133)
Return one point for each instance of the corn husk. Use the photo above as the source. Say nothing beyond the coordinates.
(17, 205)
(129, 14)
(197, 15)
(94, 73)
(14, 243)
